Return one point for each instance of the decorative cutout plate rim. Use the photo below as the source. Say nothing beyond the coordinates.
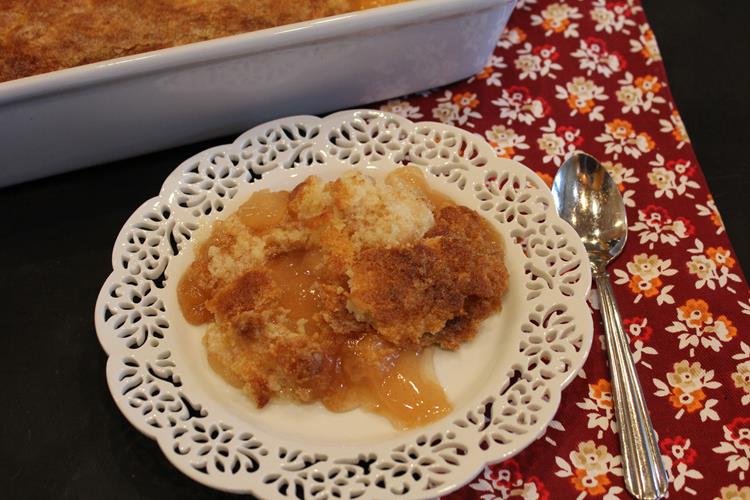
(213, 446)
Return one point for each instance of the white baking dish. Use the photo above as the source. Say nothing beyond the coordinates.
(123, 107)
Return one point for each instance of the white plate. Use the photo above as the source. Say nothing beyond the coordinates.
(147, 102)
(505, 384)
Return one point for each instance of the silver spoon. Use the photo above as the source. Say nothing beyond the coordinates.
(586, 196)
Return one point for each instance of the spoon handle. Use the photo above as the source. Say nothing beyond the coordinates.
(645, 476)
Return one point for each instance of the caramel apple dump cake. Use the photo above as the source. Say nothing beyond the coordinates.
(335, 292)
(38, 36)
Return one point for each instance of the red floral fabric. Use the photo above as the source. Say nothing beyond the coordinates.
(587, 75)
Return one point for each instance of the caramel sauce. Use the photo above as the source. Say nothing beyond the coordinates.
(401, 387)
(264, 210)
(297, 275)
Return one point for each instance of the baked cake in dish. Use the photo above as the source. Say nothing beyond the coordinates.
(39, 36)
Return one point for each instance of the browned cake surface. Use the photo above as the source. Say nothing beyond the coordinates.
(410, 293)
(38, 36)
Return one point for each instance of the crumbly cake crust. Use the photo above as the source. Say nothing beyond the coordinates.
(39, 36)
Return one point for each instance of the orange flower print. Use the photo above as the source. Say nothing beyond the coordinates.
(694, 313)
(679, 132)
(622, 176)
(466, 100)
(619, 136)
(506, 142)
(511, 37)
(589, 468)
(646, 141)
(689, 401)
(485, 73)
(555, 17)
(580, 104)
(593, 485)
(676, 127)
(556, 25)
(650, 51)
(639, 94)
(709, 210)
(581, 95)
(721, 257)
(644, 278)
(686, 391)
(620, 129)
(648, 83)
(716, 219)
(648, 35)
(601, 393)
(645, 287)
(546, 178)
(724, 329)
(697, 326)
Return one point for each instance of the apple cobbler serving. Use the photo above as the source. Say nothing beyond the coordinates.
(337, 292)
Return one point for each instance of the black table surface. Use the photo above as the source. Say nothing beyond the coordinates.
(61, 434)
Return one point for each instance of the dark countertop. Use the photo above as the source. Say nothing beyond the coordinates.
(63, 437)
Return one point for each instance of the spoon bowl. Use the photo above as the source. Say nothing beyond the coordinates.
(589, 199)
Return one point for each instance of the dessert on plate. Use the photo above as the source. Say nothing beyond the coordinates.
(338, 292)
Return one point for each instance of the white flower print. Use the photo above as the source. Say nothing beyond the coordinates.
(456, 108)
(696, 325)
(533, 62)
(401, 107)
(646, 45)
(581, 95)
(557, 18)
(639, 330)
(710, 210)
(676, 127)
(506, 142)
(712, 267)
(612, 18)
(593, 56)
(734, 492)
(687, 395)
(599, 407)
(517, 103)
(525, 4)
(511, 37)
(589, 469)
(553, 425)
(736, 445)
(679, 456)
(655, 224)
(446, 112)
(490, 74)
(643, 278)
(620, 137)
(639, 94)
(558, 142)
(668, 180)
(741, 375)
(622, 176)
(745, 306)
